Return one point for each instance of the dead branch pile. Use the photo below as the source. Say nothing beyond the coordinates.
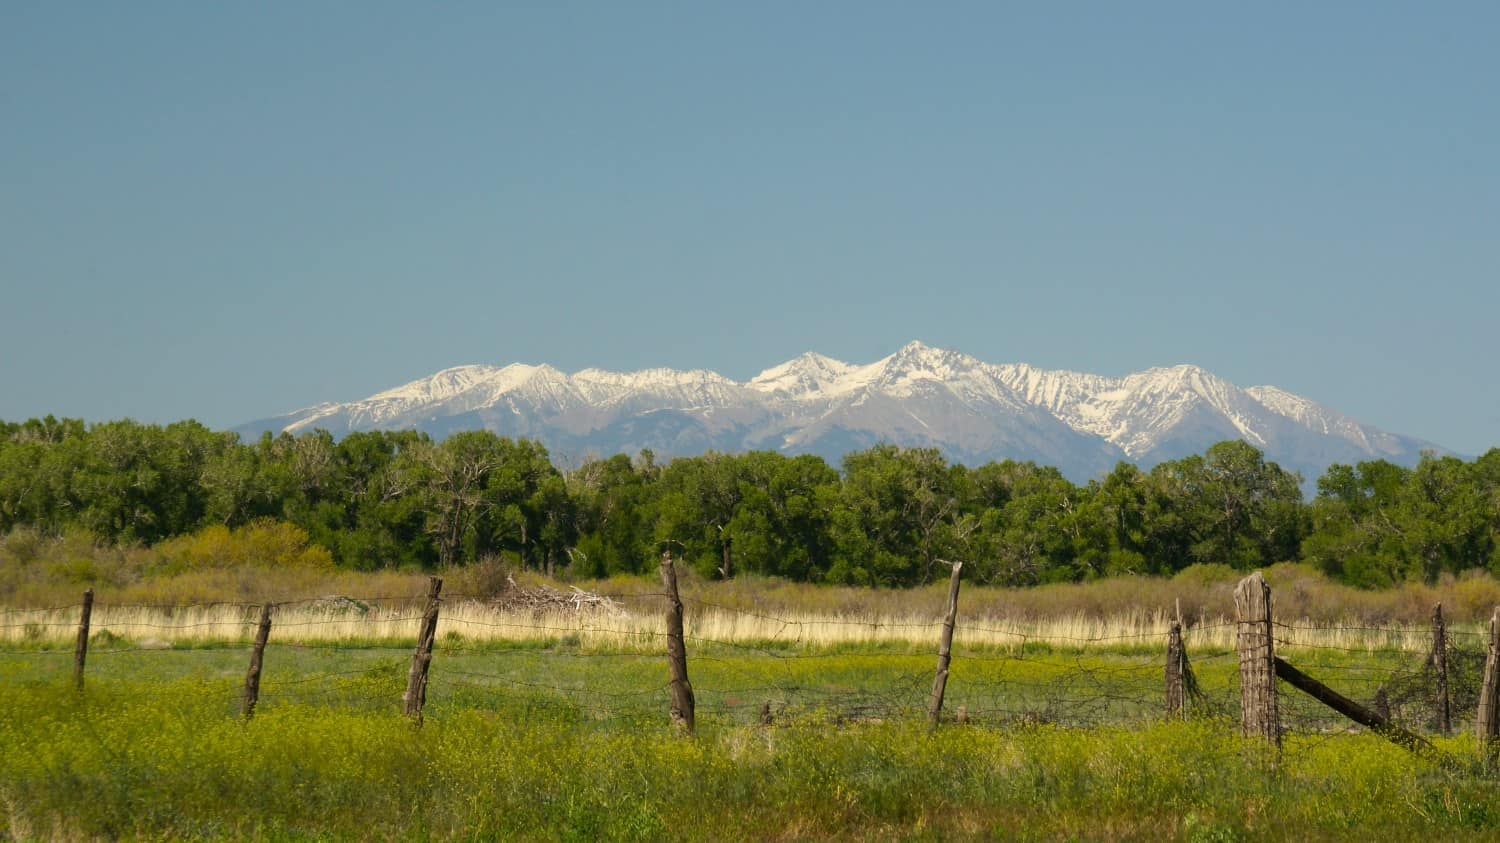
(545, 598)
(336, 603)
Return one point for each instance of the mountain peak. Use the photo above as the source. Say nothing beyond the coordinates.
(806, 373)
(1180, 370)
(918, 395)
(1181, 376)
(918, 358)
(443, 384)
(811, 361)
(918, 350)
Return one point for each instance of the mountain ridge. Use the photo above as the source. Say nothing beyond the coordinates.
(920, 395)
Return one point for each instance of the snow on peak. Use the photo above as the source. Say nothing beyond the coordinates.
(1320, 419)
(916, 357)
(802, 375)
(1139, 411)
(946, 397)
(444, 384)
(658, 378)
(1171, 377)
(1292, 406)
(901, 373)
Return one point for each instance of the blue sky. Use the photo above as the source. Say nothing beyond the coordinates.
(226, 211)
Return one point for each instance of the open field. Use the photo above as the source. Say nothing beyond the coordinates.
(551, 724)
(524, 740)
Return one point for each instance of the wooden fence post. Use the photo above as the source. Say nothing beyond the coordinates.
(1487, 723)
(1259, 716)
(252, 676)
(81, 649)
(682, 689)
(1440, 670)
(416, 681)
(945, 650)
(1176, 686)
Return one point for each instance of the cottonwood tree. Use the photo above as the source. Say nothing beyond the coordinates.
(452, 476)
(895, 517)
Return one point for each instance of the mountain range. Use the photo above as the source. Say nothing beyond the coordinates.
(973, 411)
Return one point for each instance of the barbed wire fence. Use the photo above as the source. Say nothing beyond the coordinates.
(600, 665)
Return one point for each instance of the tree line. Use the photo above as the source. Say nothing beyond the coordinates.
(889, 516)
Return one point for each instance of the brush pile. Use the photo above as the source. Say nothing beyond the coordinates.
(545, 598)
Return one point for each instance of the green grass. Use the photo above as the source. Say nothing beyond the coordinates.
(558, 743)
(732, 682)
(113, 765)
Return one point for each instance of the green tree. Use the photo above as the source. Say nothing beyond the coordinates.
(897, 515)
(1031, 526)
(612, 498)
(1229, 506)
(696, 501)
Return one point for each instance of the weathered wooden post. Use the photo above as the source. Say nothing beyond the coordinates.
(1440, 670)
(1176, 686)
(945, 650)
(252, 675)
(416, 681)
(682, 690)
(1259, 716)
(1487, 723)
(81, 649)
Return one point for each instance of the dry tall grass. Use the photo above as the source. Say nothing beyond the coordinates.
(639, 627)
(215, 566)
(269, 561)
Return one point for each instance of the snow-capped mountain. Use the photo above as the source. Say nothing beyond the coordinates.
(972, 410)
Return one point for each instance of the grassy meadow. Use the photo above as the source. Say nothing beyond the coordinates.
(549, 723)
(549, 726)
(158, 754)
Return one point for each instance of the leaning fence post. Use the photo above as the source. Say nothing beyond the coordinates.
(252, 676)
(81, 649)
(945, 650)
(1259, 716)
(1379, 722)
(682, 690)
(416, 681)
(1487, 723)
(1440, 669)
(1176, 688)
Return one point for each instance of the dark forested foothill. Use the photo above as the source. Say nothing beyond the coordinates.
(886, 517)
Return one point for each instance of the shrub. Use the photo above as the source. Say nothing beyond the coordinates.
(264, 543)
(488, 578)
